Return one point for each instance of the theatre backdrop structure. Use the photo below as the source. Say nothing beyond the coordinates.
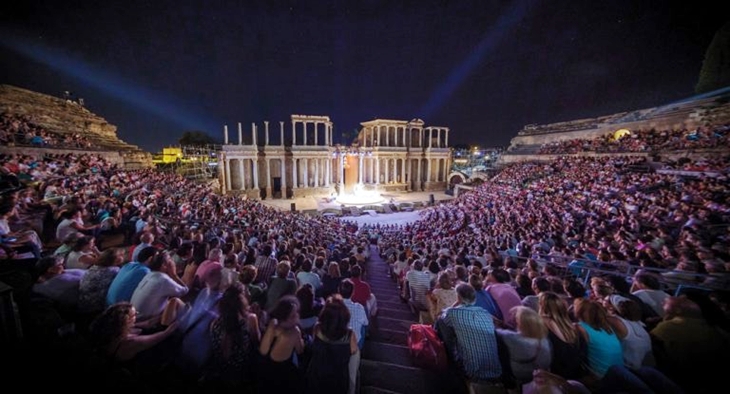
(387, 155)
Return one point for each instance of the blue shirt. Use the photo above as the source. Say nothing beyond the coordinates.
(485, 300)
(126, 282)
(476, 340)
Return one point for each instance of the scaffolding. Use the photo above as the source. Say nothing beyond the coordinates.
(194, 162)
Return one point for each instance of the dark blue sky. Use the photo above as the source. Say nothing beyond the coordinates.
(482, 68)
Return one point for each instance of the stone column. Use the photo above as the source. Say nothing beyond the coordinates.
(341, 162)
(254, 131)
(305, 171)
(438, 138)
(447, 138)
(359, 170)
(281, 129)
(316, 172)
(240, 134)
(403, 171)
(371, 164)
(269, 189)
(294, 175)
(316, 133)
(327, 171)
(386, 173)
(408, 178)
(293, 133)
(255, 169)
(430, 138)
(228, 174)
(225, 135)
(283, 177)
(304, 134)
(266, 130)
(242, 170)
(377, 171)
(428, 170)
(420, 138)
(404, 136)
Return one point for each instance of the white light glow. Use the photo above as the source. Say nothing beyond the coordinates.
(360, 196)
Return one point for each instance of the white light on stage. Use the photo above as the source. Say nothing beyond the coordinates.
(360, 196)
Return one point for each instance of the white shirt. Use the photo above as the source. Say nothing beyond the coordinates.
(151, 295)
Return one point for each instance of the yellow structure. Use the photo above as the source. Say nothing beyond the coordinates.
(620, 133)
(169, 155)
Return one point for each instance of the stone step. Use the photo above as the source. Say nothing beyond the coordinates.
(376, 390)
(392, 377)
(400, 313)
(387, 352)
(394, 337)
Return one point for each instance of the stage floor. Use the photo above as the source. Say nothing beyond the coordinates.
(320, 203)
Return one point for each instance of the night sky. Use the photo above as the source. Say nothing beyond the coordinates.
(483, 68)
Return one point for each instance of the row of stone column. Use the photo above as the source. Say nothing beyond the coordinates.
(371, 170)
(305, 141)
(399, 169)
(374, 136)
(325, 165)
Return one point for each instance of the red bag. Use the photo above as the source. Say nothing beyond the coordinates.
(426, 347)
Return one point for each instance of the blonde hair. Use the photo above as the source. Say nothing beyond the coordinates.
(529, 323)
(552, 306)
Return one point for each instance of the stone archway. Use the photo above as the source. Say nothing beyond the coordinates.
(456, 178)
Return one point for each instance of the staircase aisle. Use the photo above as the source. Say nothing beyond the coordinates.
(386, 366)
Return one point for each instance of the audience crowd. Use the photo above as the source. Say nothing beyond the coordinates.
(578, 272)
(644, 141)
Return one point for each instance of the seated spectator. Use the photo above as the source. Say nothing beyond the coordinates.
(84, 253)
(310, 307)
(281, 285)
(604, 348)
(256, 293)
(647, 287)
(280, 347)
(129, 276)
(235, 336)
(568, 345)
(635, 340)
(686, 346)
(160, 291)
(307, 276)
(114, 335)
(469, 337)
(443, 296)
(95, 283)
(506, 297)
(358, 316)
(419, 285)
(361, 292)
(72, 221)
(335, 356)
(528, 348)
(57, 283)
(331, 281)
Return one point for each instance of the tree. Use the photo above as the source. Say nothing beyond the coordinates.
(196, 137)
(715, 73)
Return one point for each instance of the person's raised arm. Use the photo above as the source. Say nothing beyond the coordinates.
(139, 343)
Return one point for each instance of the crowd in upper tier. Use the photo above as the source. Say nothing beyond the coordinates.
(644, 141)
(577, 259)
(20, 130)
